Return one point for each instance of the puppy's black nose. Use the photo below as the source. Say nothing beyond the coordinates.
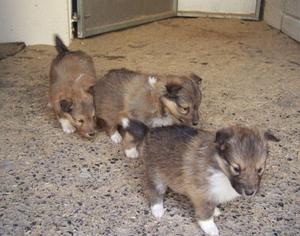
(249, 192)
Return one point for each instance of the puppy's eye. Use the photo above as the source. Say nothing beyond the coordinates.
(184, 110)
(260, 171)
(81, 121)
(235, 169)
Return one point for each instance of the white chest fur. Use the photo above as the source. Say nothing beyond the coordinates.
(220, 187)
(161, 121)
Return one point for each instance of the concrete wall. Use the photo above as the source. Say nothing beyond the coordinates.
(34, 21)
(284, 15)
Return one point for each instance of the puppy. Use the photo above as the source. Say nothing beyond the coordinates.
(160, 100)
(72, 76)
(209, 168)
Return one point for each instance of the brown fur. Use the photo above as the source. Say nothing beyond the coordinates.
(185, 159)
(72, 75)
(124, 93)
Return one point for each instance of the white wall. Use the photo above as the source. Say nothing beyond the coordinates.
(218, 6)
(34, 21)
(284, 15)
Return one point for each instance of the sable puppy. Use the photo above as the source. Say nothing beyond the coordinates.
(159, 100)
(209, 168)
(72, 76)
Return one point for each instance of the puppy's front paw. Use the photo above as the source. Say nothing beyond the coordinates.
(157, 210)
(69, 129)
(209, 227)
(49, 105)
(67, 126)
(217, 212)
(132, 152)
(116, 137)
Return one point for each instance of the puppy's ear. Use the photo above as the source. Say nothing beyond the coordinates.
(222, 136)
(85, 82)
(271, 137)
(66, 106)
(172, 90)
(170, 104)
(91, 90)
(196, 78)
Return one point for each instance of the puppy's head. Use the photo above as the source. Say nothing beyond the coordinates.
(183, 97)
(81, 113)
(242, 156)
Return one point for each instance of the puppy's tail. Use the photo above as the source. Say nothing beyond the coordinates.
(136, 128)
(60, 46)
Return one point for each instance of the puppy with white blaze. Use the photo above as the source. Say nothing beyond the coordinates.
(155, 100)
(208, 167)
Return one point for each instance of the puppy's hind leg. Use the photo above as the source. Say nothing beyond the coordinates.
(154, 191)
(66, 125)
(130, 146)
(134, 132)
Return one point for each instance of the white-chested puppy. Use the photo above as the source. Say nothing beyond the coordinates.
(72, 75)
(159, 100)
(209, 168)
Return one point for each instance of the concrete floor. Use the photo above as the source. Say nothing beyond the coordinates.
(58, 184)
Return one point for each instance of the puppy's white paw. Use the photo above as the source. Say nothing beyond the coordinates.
(217, 212)
(67, 126)
(157, 210)
(125, 123)
(69, 129)
(116, 137)
(152, 80)
(132, 152)
(209, 227)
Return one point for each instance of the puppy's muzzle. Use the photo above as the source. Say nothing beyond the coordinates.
(249, 192)
(91, 134)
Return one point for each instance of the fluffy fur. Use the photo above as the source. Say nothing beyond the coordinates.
(156, 100)
(72, 76)
(210, 168)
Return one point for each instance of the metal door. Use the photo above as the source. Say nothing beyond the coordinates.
(99, 16)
